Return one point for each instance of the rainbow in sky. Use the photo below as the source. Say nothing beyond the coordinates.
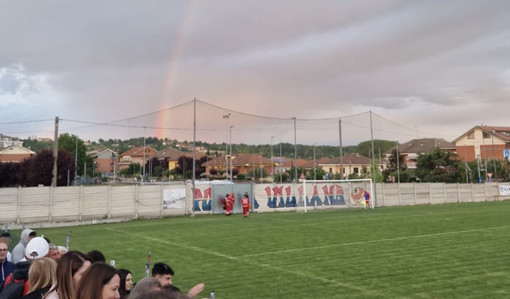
(163, 117)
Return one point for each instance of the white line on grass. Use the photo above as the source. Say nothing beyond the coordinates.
(374, 241)
(241, 259)
(199, 249)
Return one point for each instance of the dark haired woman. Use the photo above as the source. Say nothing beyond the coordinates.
(126, 283)
(70, 268)
(100, 281)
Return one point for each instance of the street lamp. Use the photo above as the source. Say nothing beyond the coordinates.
(485, 158)
(226, 118)
(398, 165)
(280, 162)
(494, 158)
(314, 172)
(272, 163)
(230, 142)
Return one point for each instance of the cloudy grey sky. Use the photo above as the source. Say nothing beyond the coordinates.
(424, 68)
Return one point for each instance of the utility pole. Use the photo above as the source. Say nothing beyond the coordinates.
(295, 152)
(341, 149)
(398, 164)
(280, 162)
(494, 158)
(76, 159)
(272, 162)
(374, 174)
(55, 155)
(226, 117)
(314, 172)
(230, 155)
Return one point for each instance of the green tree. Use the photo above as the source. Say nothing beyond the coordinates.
(380, 146)
(73, 145)
(438, 166)
(319, 174)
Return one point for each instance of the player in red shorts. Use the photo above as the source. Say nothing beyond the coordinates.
(229, 204)
(245, 202)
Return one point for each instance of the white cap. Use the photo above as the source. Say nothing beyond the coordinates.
(37, 248)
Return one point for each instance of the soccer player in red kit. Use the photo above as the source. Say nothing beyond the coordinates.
(229, 204)
(245, 202)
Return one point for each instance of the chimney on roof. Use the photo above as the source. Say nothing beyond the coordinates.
(357, 155)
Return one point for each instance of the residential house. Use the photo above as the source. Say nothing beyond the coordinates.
(352, 164)
(136, 155)
(15, 153)
(483, 142)
(7, 141)
(245, 164)
(172, 156)
(409, 151)
(106, 161)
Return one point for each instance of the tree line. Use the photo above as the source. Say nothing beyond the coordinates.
(434, 166)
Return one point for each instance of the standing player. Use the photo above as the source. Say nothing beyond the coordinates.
(366, 199)
(229, 204)
(245, 202)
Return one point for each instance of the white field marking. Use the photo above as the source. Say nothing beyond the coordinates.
(199, 249)
(260, 216)
(374, 241)
(244, 261)
(311, 276)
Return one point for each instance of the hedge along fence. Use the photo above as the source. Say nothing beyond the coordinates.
(85, 204)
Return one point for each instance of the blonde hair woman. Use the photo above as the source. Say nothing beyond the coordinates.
(42, 275)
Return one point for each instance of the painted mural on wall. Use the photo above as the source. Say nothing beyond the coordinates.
(292, 196)
(273, 197)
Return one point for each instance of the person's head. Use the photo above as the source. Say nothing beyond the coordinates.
(53, 252)
(164, 293)
(156, 294)
(6, 238)
(172, 292)
(3, 251)
(163, 273)
(26, 235)
(42, 273)
(70, 269)
(126, 281)
(62, 250)
(144, 286)
(246, 194)
(37, 248)
(100, 281)
(96, 256)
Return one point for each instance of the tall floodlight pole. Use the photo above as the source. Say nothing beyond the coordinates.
(314, 172)
(230, 154)
(398, 164)
(194, 152)
(373, 157)
(341, 150)
(280, 162)
(55, 155)
(494, 158)
(143, 171)
(485, 157)
(226, 117)
(272, 163)
(295, 151)
(75, 159)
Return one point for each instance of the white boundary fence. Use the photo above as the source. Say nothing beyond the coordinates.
(90, 204)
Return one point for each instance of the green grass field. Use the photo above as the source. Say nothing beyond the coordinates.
(440, 251)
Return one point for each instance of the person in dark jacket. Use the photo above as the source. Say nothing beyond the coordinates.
(6, 267)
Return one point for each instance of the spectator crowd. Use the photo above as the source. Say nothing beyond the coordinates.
(39, 269)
